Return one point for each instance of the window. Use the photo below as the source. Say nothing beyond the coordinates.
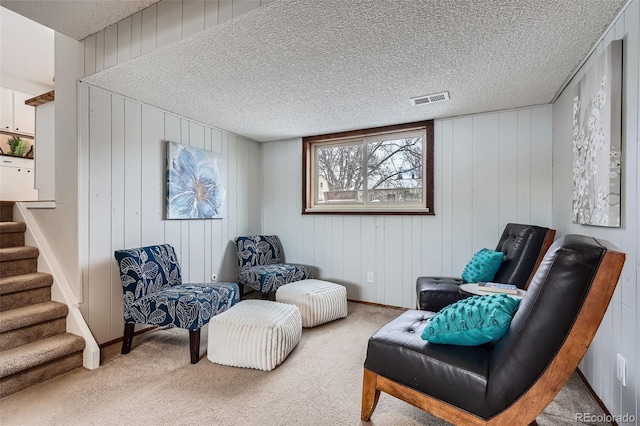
(385, 170)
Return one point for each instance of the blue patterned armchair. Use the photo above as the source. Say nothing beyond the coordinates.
(261, 267)
(153, 293)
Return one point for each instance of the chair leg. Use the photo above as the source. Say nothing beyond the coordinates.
(194, 344)
(370, 395)
(128, 337)
(241, 287)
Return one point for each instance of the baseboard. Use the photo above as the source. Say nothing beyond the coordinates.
(595, 396)
(379, 305)
(119, 339)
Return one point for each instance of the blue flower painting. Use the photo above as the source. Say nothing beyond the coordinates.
(195, 188)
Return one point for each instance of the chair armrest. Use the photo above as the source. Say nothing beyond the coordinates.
(435, 293)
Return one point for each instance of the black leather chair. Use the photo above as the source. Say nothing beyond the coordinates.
(512, 380)
(523, 246)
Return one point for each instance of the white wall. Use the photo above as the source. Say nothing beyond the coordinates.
(26, 54)
(490, 169)
(162, 23)
(70, 231)
(60, 225)
(46, 151)
(123, 145)
(620, 327)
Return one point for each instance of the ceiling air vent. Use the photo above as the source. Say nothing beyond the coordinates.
(429, 99)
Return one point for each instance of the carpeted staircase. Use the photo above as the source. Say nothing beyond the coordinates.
(34, 344)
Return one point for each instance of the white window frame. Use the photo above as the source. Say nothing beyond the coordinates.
(310, 195)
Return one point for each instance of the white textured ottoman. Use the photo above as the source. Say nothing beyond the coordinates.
(254, 334)
(319, 301)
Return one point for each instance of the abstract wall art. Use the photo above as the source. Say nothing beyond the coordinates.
(195, 183)
(597, 141)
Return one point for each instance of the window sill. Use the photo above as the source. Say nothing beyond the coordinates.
(369, 211)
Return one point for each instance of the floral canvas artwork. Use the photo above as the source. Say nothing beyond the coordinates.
(195, 183)
(597, 147)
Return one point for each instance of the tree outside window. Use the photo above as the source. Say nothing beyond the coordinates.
(383, 171)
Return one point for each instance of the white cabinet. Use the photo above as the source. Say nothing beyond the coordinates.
(15, 116)
(24, 116)
(9, 189)
(17, 179)
(6, 109)
(30, 191)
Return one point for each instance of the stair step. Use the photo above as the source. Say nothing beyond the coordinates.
(6, 211)
(11, 227)
(18, 260)
(39, 361)
(39, 352)
(27, 324)
(26, 289)
(12, 234)
(24, 282)
(34, 346)
(12, 239)
(25, 335)
(30, 315)
(18, 253)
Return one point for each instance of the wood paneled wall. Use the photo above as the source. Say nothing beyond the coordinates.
(160, 24)
(620, 329)
(490, 169)
(123, 150)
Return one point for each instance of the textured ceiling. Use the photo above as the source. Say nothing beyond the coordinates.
(76, 18)
(304, 67)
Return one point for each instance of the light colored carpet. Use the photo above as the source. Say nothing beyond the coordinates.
(318, 384)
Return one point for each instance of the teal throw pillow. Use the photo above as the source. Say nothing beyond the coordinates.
(482, 266)
(472, 321)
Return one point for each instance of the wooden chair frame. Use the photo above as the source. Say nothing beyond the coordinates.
(531, 403)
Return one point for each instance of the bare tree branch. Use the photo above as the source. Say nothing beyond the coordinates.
(342, 166)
